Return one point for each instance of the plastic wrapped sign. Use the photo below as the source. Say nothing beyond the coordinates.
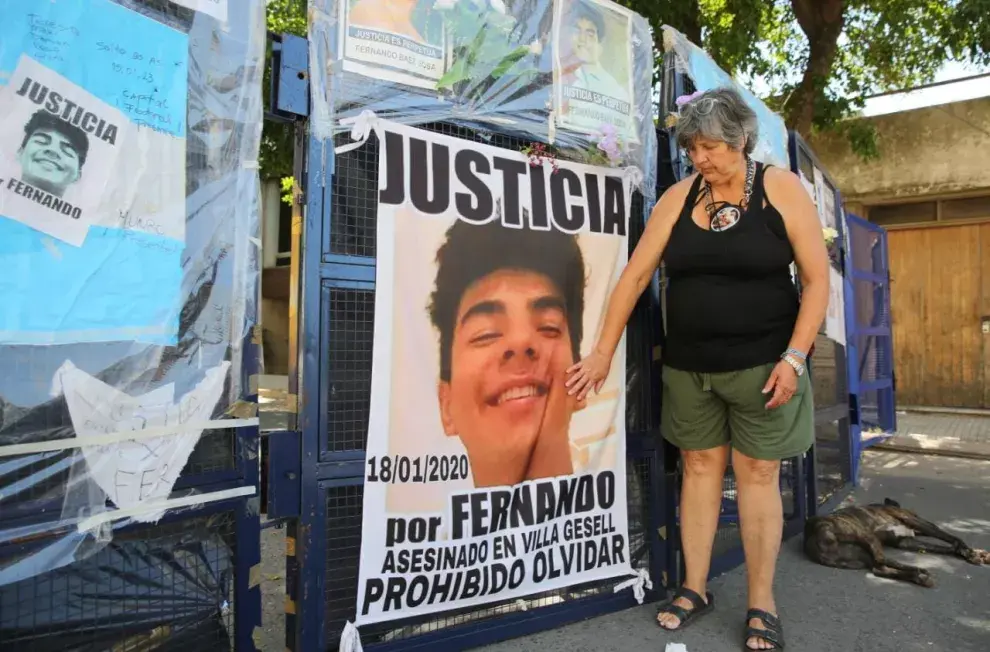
(123, 332)
(92, 162)
(577, 74)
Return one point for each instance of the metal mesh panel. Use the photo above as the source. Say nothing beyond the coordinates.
(872, 304)
(874, 358)
(828, 379)
(350, 337)
(869, 409)
(354, 193)
(157, 587)
(832, 459)
(862, 242)
(344, 514)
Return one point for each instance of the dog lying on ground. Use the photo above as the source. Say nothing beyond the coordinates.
(854, 537)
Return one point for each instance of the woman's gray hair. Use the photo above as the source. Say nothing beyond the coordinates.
(719, 114)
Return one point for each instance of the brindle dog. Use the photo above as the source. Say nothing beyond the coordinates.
(854, 537)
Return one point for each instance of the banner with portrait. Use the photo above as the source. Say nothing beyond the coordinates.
(92, 173)
(593, 67)
(485, 480)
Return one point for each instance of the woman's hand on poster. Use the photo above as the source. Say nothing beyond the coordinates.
(588, 374)
(783, 382)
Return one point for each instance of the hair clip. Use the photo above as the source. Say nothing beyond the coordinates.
(684, 99)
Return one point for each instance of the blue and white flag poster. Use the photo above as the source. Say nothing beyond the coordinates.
(93, 142)
(58, 149)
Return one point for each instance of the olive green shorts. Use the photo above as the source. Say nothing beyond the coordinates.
(708, 410)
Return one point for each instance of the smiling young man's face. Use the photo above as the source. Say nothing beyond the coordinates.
(49, 161)
(511, 346)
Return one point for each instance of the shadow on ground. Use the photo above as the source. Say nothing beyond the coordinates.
(829, 610)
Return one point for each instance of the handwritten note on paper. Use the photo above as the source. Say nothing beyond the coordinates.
(133, 472)
(215, 8)
(835, 317)
(125, 59)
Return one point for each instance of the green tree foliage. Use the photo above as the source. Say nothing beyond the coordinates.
(275, 158)
(821, 57)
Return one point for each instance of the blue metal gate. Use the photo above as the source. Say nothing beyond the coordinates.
(317, 474)
(871, 346)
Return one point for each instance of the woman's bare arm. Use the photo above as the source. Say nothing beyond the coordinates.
(643, 263)
(804, 230)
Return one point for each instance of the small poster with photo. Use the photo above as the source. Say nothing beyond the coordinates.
(395, 40)
(57, 151)
(593, 67)
(825, 197)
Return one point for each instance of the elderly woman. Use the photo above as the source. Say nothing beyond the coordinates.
(737, 341)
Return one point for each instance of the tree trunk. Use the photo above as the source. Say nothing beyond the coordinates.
(822, 22)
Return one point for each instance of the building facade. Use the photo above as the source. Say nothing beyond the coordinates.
(930, 189)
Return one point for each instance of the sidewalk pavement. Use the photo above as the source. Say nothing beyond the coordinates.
(826, 610)
(940, 433)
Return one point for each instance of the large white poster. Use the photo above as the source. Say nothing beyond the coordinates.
(485, 480)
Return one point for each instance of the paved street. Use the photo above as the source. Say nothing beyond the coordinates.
(825, 609)
(954, 434)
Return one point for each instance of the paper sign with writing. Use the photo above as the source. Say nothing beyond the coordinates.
(215, 8)
(57, 153)
(132, 472)
(835, 317)
(114, 273)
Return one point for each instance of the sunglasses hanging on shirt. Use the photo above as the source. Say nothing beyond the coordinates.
(723, 215)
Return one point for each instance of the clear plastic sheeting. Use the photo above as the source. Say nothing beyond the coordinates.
(129, 223)
(575, 74)
(771, 147)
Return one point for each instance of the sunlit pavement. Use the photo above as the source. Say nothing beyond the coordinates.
(825, 609)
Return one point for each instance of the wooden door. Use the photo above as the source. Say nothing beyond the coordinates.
(940, 291)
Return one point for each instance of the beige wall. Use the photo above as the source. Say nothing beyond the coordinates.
(939, 150)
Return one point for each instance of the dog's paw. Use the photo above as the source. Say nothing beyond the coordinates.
(925, 579)
(978, 557)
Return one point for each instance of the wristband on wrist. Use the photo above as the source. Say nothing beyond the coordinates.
(797, 354)
(796, 364)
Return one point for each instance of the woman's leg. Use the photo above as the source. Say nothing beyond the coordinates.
(701, 500)
(760, 439)
(761, 518)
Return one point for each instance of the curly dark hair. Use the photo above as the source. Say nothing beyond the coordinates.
(44, 120)
(472, 252)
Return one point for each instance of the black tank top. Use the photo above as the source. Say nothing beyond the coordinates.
(731, 303)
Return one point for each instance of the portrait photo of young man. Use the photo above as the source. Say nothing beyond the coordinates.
(52, 153)
(508, 306)
(588, 45)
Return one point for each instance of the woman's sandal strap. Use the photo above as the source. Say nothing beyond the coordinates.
(678, 612)
(696, 600)
(772, 632)
(770, 620)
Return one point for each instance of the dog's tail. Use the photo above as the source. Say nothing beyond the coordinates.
(891, 503)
